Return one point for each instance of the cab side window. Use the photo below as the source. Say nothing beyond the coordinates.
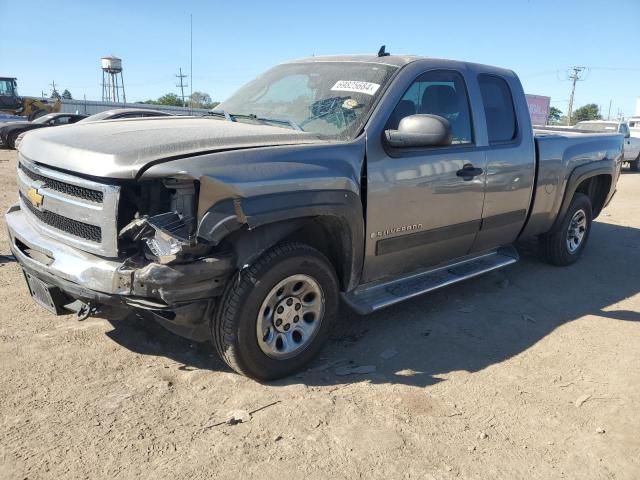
(62, 121)
(439, 92)
(498, 109)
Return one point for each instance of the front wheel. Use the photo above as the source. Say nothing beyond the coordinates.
(563, 245)
(275, 315)
(634, 166)
(11, 140)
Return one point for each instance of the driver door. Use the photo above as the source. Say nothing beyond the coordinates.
(420, 210)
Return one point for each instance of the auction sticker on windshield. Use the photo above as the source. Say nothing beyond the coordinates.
(356, 86)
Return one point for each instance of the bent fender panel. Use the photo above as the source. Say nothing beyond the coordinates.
(229, 215)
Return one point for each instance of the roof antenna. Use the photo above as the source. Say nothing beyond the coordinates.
(382, 52)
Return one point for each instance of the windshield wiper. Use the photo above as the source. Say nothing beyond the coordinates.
(224, 113)
(231, 117)
(283, 121)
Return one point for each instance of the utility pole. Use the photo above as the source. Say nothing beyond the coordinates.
(54, 92)
(609, 114)
(574, 77)
(182, 85)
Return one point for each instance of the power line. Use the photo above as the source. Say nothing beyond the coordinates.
(182, 85)
(574, 77)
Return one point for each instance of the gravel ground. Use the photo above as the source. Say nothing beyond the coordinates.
(530, 372)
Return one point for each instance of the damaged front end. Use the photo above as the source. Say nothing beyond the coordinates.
(173, 275)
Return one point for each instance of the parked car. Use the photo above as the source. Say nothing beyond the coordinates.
(10, 132)
(115, 114)
(634, 126)
(368, 178)
(120, 113)
(631, 144)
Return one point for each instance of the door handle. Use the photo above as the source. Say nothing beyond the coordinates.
(468, 172)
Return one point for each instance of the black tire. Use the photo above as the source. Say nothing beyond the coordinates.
(634, 166)
(11, 140)
(554, 244)
(234, 326)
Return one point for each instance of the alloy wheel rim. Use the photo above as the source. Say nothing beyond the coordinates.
(290, 317)
(576, 231)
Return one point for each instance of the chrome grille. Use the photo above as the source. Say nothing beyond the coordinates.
(64, 224)
(69, 189)
(79, 212)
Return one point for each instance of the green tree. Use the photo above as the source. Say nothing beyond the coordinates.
(586, 112)
(199, 99)
(67, 95)
(554, 115)
(202, 100)
(170, 99)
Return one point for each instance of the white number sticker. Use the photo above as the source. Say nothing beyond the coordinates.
(356, 86)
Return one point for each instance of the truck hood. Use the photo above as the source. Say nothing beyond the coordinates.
(122, 148)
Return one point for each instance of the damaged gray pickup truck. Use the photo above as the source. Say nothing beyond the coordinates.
(370, 179)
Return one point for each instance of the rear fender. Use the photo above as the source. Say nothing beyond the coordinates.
(579, 175)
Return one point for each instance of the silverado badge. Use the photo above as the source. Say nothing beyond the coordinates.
(35, 197)
(400, 229)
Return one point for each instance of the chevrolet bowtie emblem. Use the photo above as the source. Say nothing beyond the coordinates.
(35, 197)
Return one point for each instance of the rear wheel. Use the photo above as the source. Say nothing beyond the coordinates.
(38, 113)
(276, 315)
(634, 166)
(564, 245)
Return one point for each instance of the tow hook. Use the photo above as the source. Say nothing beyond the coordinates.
(85, 311)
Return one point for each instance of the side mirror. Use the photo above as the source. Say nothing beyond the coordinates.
(420, 131)
(627, 135)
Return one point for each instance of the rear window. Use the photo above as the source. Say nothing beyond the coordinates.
(498, 109)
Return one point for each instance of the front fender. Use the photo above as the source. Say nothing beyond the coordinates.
(284, 213)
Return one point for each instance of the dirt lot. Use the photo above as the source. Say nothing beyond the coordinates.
(530, 372)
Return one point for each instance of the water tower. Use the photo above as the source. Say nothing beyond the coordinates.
(112, 81)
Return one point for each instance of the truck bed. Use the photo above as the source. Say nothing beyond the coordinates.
(559, 152)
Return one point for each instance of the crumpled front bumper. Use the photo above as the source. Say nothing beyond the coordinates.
(173, 293)
(55, 262)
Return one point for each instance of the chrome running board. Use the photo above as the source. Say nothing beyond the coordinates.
(375, 296)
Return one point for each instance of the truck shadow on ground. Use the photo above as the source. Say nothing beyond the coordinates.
(466, 327)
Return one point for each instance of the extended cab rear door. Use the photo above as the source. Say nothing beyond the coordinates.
(507, 138)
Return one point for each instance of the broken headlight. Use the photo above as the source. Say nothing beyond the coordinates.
(169, 234)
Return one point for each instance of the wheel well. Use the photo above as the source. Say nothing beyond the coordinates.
(596, 188)
(330, 235)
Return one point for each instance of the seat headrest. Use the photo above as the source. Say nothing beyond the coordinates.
(440, 100)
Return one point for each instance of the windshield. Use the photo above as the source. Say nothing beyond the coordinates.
(331, 99)
(98, 116)
(610, 127)
(44, 118)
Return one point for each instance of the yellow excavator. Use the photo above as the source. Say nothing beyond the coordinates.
(31, 107)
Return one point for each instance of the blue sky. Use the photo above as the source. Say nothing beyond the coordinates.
(234, 41)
